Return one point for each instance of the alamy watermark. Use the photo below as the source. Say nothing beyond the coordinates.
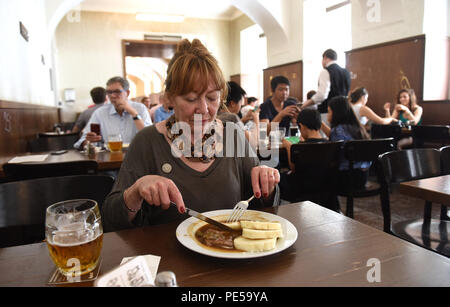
(374, 11)
(235, 145)
(374, 274)
(74, 15)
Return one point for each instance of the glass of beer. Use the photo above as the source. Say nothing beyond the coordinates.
(115, 142)
(74, 234)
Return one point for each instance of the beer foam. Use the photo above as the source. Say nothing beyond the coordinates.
(73, 235)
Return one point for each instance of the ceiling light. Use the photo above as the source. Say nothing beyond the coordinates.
(159, 17)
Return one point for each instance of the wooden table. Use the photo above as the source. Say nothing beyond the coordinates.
(435, 189)
(106, 160)
(56, 134)
(331, 250)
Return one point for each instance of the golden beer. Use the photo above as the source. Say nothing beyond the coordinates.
(74, 234)
(115, 145)
(77, 259)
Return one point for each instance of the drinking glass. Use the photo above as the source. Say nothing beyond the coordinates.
(74, 235)
(281, 133)
(115, 142)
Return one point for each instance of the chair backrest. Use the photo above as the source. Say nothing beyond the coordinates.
(53, 142)
(410, 164)
(64, 126)
(367, 150)
(386, 131)
(23, 203)
(23, 171)
(316, 165)
(445, 160)
(439, 134)
(393, 130)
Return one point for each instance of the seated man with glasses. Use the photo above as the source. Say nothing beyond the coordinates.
(121, 116)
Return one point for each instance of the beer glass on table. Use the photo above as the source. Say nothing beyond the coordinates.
(74, 234)
(115, 142)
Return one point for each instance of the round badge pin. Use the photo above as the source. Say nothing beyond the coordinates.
(166, 168)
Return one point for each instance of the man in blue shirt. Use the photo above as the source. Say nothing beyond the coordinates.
(98, 95)
(164, 111)
(122, 116)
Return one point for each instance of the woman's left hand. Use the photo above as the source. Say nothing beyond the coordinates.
(264, 180)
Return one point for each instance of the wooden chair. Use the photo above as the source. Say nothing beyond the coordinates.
(53, 142)
(23, 171)
(406, 165)
(445, 169)
(432, 136)
(360, 151)
(23, 203)
(316, 166)
(386, 131)
(64, 126)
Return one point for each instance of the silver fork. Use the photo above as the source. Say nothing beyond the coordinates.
(238, 210)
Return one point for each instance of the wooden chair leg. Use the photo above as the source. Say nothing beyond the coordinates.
(349, 210)
(444, 213)
(386, 209)
(427, 212)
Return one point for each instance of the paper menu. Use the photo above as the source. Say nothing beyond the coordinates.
(31, 158)
(137, 271)
(151, 260)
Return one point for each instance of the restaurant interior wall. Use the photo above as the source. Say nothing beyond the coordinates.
(391, 20)
(282, 25)
(448, 18)
(383, 71)
(399, 20)
(89, 52)
(25, 62)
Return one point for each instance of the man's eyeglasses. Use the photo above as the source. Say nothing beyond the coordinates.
(117, 92)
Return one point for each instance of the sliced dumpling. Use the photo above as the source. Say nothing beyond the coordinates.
(250, 245)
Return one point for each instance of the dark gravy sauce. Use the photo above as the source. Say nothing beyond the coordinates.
(217, 238)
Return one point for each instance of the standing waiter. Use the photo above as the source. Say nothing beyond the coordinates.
(333, 81)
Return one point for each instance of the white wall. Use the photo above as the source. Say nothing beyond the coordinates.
(89, 51)
(282, 23)
(23, 76)
(290, 16)
(391, 20)
(448, 17)
(434, 27)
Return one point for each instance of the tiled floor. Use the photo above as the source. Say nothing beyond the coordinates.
(368, 210)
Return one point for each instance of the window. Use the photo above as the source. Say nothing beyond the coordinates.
(327, 24)
(253, 61)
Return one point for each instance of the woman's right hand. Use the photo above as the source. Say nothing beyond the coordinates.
(156, 191)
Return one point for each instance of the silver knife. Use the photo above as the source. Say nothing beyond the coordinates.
(205, 219)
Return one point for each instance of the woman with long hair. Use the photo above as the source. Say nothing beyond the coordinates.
(345, 126)
(406, 109)
(358, 99)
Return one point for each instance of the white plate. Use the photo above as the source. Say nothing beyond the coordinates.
(183, 236)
